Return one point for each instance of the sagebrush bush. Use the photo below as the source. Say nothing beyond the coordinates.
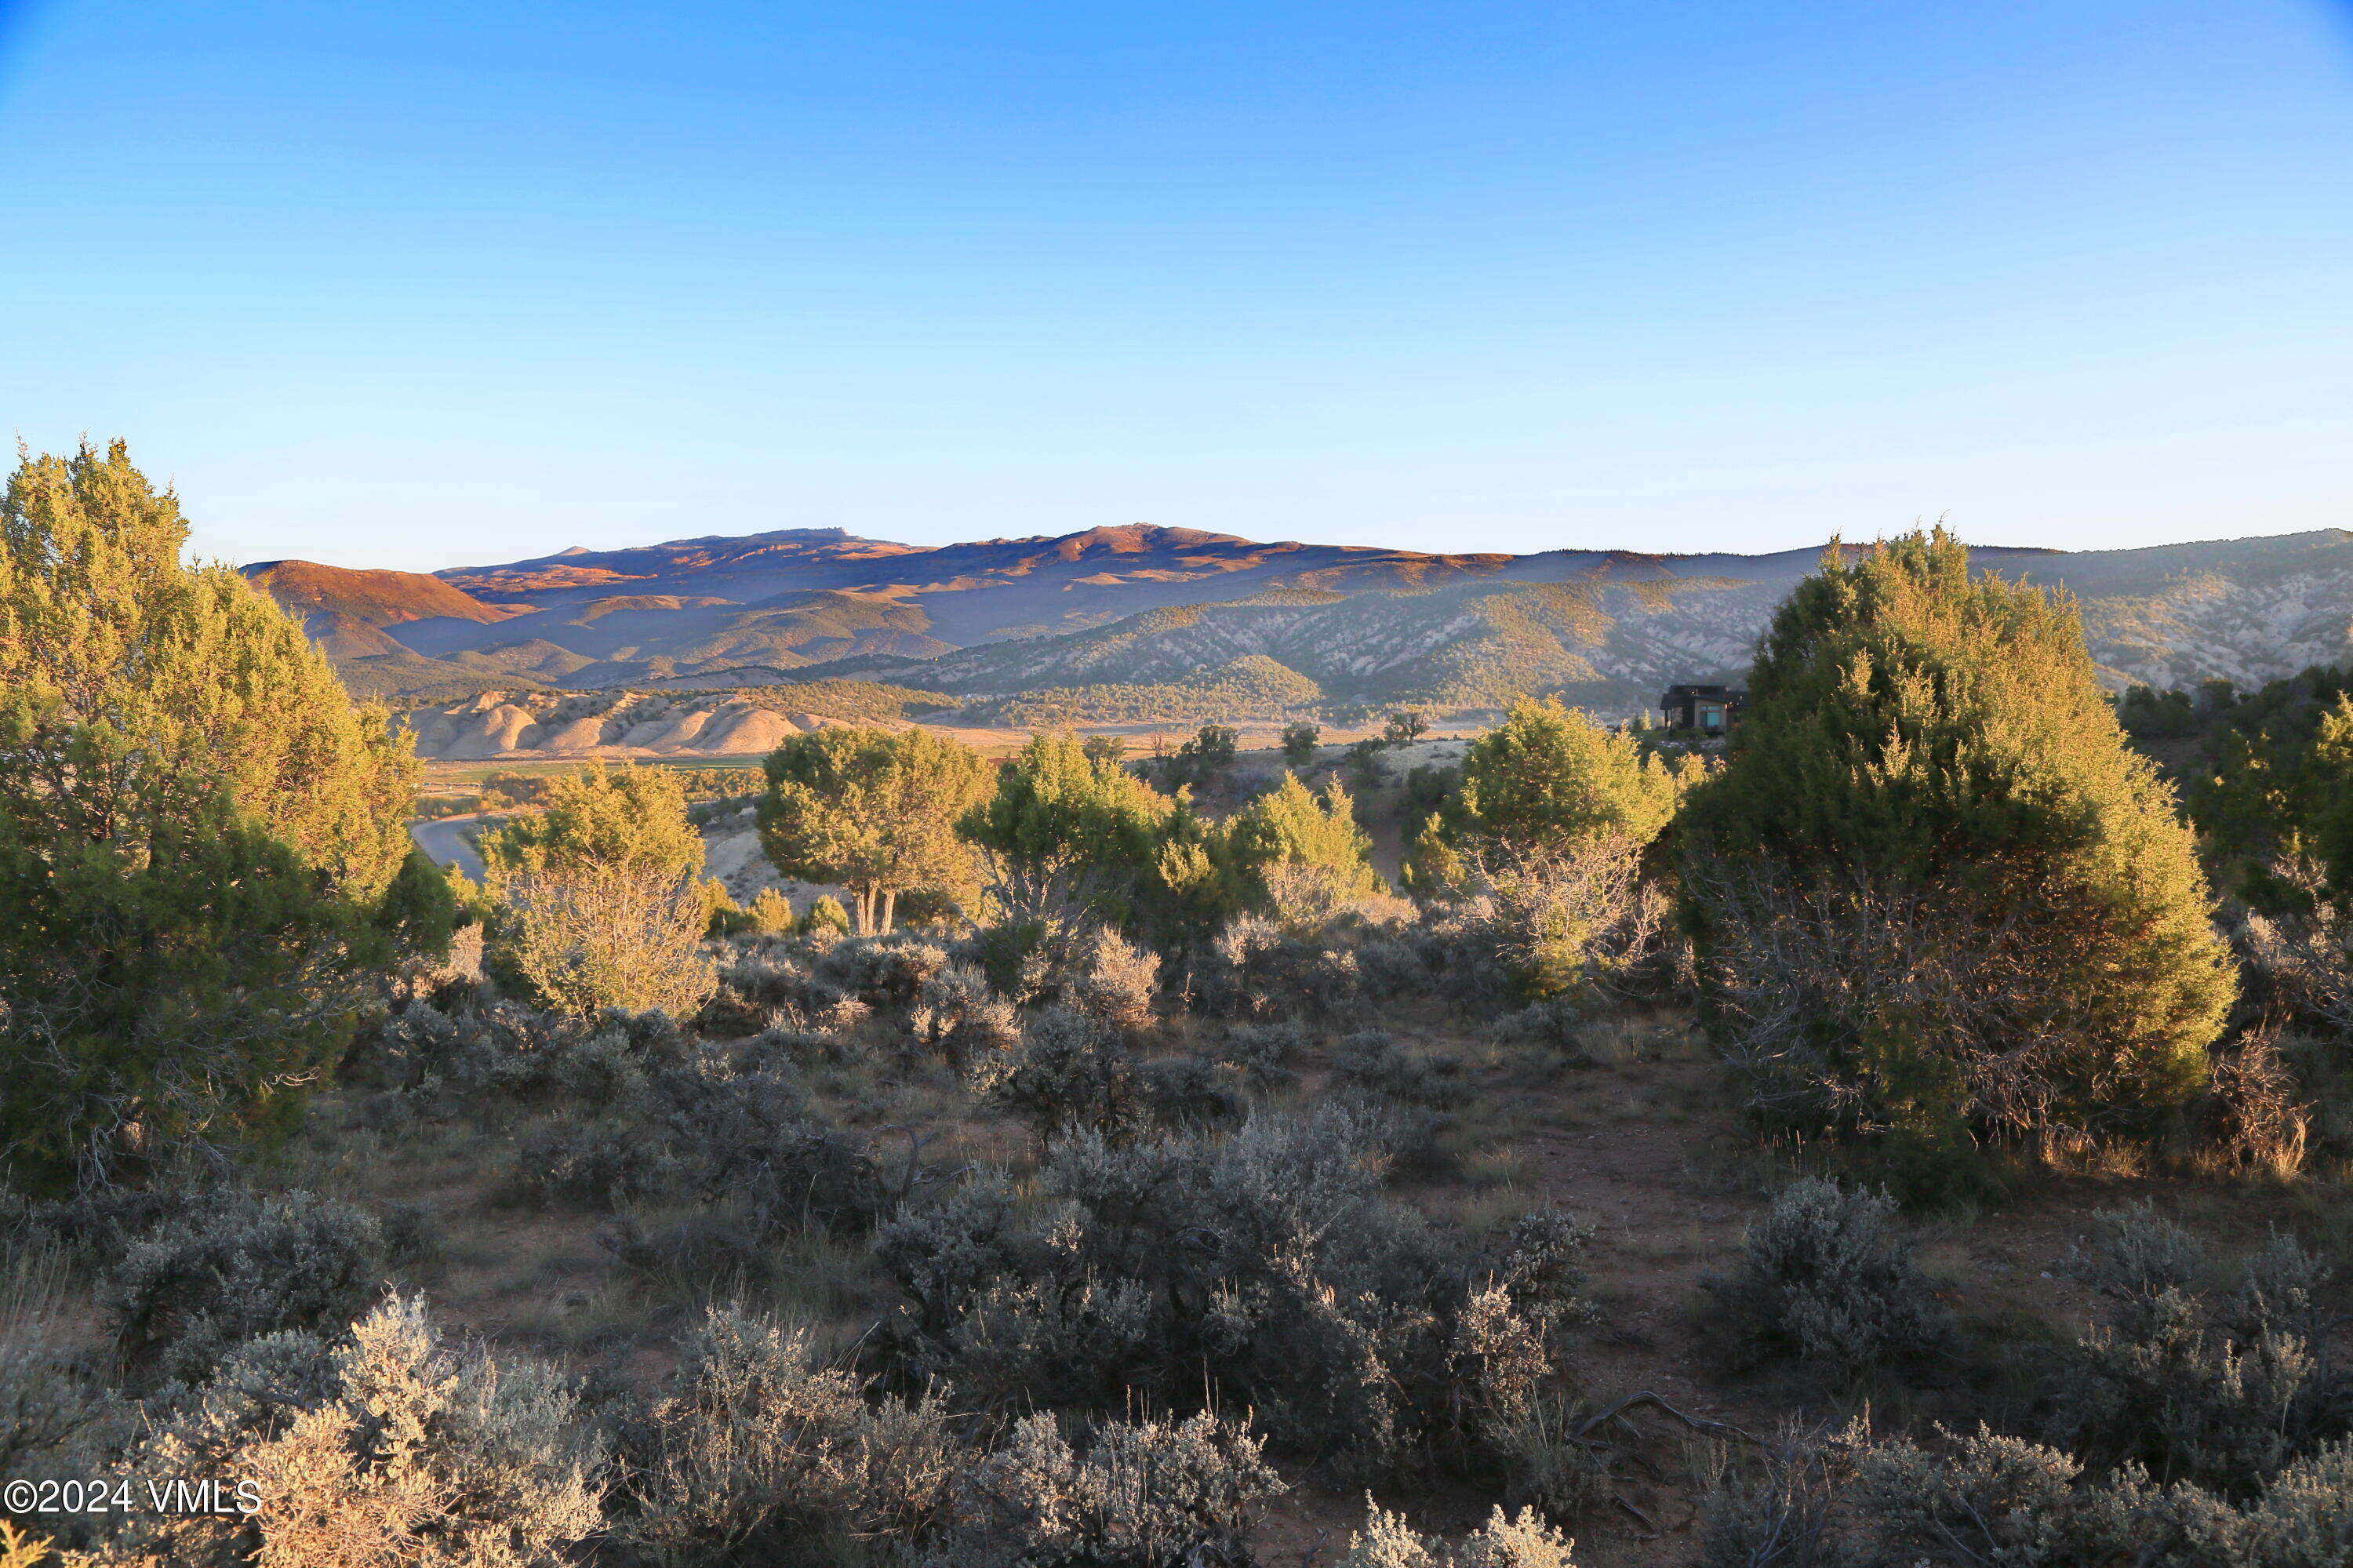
(957, 1014)
(2139, 1256)
(1388, 1541)
(882, 971)
(2305, 1516)
(603, 1164)
(2184, 1444)
(487, 1064)
(1546, 1464)
(1826, 1278)
(1392, 965)
(750, 1136)
(1069, 1072)
(56, 1417)
(2188, 1401)
(1264, 1052)
(1144, 1494)
(2281, 1291)
(1992, 1499)
(643, 1112)
(768, 1454)
(389, 1448)
(430, 1060)
(1269, 1261)
(1192, 1091)
(1256, 969)
(805, 1177)
(1831, 1501)
(588, 938)
(1778, 1506)
(1501, 1354)
(1373, 1061)
(1116, 983)
(1061, 1341)
(765, 978)
(234, 1266)
(1457, 951)
(1508, 1345)
(942, 1256)
(1543, 1267)
(2223, 1396)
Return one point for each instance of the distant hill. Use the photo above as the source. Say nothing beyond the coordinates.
(347, 610)
(989, 589)
(634, 638)
(349, 614)
(1161, 624)
(1605, 643)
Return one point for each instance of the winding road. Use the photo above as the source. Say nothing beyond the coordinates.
(444, 840)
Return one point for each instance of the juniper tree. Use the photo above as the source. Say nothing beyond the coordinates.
(1052, 800)
(1934, 890)
(873, 810)
(630, 817)
(196, 828)
(1064, 832)
(1291, 826)
(1214, 746)
(1406, 725)
(1545, 785)
(1549, 778)
(602, 908)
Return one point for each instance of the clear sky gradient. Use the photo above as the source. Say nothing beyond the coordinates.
(435, 284)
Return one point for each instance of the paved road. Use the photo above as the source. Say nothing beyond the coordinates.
(444, 841)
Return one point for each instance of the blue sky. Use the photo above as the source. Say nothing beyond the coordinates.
(430, 285)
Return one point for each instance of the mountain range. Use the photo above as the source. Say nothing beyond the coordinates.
(1168, 624)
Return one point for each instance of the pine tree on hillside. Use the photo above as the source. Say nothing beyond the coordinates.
(1934, 891)
(194, 826)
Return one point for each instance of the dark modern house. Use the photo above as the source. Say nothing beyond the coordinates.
(1711, 710)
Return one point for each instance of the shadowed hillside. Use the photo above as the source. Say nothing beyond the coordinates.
(1169, 624)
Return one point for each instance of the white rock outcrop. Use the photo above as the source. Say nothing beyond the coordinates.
(557, 726)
